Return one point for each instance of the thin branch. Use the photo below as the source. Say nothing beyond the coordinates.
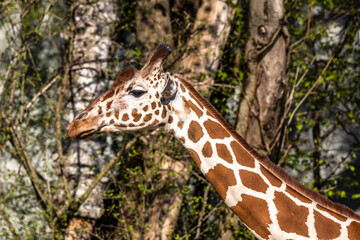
(270, 43)
(289, 104)
(72, 206)
(12, 229)
(201, 214)
(319, 79)
(226, 86)
(206, 217)
(33, 100)
(51, 4)
(11, 100)
(26, 163)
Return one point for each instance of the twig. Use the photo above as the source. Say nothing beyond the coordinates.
(288, 104)
(206, 217)
(51, 4)
(58, 129)
(320, 78)
(270, 43)
(26, 163)
(33, 100)
(202, 212)
(8, 223)
(72, 206)
(11, 100)
(226, 86)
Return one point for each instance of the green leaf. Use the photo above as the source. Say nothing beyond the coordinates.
(355, 196)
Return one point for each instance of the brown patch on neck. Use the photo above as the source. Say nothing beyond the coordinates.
(195, 157)
(254, 212)
(274, 181)
(334, 214)
(207, 150)
(193, 107)
(253, 181)
(242, 157)
(223, 152)
(292, 218)
(215, 130)
(297, 195)
(354, 230)
(197, 101)
(195, 132)
(187, 110)
(154, 122)
(326, 228)
(227, 179)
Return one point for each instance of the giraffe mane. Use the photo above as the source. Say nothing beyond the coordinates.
(277, 171)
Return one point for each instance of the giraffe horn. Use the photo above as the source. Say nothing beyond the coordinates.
(156, 59)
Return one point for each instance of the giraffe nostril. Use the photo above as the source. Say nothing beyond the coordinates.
(81, 116)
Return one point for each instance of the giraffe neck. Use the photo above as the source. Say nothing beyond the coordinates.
(266, 199)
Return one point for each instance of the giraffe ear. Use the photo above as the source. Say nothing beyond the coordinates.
(170, 90)
(156, 59)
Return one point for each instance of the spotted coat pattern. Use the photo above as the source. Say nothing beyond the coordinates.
(266, 199)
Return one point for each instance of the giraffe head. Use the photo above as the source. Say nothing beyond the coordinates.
(138, 99)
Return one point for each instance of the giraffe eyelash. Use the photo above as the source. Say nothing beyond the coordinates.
(137, 92)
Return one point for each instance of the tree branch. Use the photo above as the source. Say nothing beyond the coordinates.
(71, 206)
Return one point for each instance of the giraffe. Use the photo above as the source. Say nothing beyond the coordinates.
(266, 199)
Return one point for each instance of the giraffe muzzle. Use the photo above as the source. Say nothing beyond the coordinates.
(82, 127)
(86, 134)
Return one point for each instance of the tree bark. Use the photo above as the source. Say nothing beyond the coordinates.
(92, 39)
(153, 27)
(211, 28)
(153, 24)
(261, 105)
(264, 90)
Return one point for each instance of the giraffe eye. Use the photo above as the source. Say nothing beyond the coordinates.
(81, 116)
(137, 93)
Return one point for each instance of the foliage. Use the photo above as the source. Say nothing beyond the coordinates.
(321, 127)
(324, 80)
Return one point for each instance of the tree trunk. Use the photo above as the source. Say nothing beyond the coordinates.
(93, 26)
(264, 90)
(263, 93)
(154, 27)
(212, 27)
(153, 24)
